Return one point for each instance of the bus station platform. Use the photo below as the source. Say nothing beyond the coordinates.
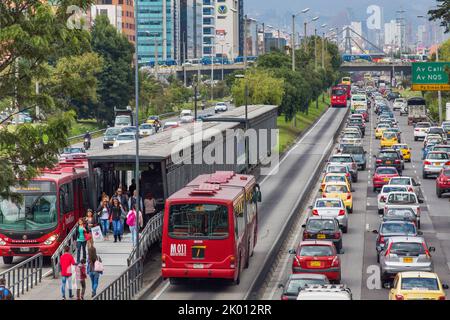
(114, 257)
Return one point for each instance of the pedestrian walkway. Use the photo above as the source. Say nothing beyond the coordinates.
(114, 257)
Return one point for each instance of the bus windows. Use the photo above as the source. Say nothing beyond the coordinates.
(66, 198)
(240, 219)
(198, 221)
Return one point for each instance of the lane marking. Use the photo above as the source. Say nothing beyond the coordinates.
(164, 288)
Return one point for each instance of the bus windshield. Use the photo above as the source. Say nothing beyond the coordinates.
(198, 221)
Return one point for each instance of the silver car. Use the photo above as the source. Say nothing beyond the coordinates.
(434, 162)
(332, 208)
(404, 254)
(399, 199)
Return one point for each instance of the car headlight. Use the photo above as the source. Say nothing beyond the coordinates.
(2, 242)
(51, 239)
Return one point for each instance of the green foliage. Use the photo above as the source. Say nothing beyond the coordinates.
(441, 12)
(263, 88)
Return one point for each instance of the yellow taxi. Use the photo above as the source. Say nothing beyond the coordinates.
(335, 177)
(379, 130)
(417, 285)
(406, 151)
(339, 190)
(388, 139)
(152, 119)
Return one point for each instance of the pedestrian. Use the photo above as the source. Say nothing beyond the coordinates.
(122, 198)
(117, 211)
(93, 275)
(149, 207)
(104, 213)
(80, 273)
(90, 220)
(5, 293)
(82, 237)
(133, 200)
(131, 222)
(132, 187)
(66, 262)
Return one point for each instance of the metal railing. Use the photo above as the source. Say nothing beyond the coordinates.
(126, 286)
(151, 233)
(24, 276)
(70, 241)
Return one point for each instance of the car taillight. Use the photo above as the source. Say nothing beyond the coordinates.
(447, 163)
(283, 297)
(315, 212)
(163, 259)
(337, 235)
(441, 298)
(410, 189)
(232, 260)
(382, 239)
(399, 297)
(427, 252)
(305, 235)
(324, 195)
(342, 212)
(427, 163)
(349, 196)
(335, 262)
(416, 130)
(388, 251)
(397, 161)
(379, 161)
(383, 199)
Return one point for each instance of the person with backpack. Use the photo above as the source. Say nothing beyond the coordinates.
(94, 273)
(5, 293)
(66, 261)
(131, 222)
(80, 273)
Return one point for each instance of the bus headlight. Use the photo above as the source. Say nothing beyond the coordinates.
(51, 239)
(2, 242)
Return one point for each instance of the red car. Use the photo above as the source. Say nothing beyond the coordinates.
(364, 113)
(338, 97)
(382, 175)
(319, 257)
(443, 182)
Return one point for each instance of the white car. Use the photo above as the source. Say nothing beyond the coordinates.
(434, 163)
(124, 138)
(186, 116)
(332, 208)
(170, 124)
(382, 196)
(325, 292)
(146, 129)
(411, 183)
(398, 104)
(420, 130)
(185, 113)
(403, 200)
(220, 107)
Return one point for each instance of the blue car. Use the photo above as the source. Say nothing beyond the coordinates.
(426, 150)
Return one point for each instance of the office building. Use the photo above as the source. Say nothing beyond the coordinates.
(392, 34)
(191, 15)
(226, 22)
(251, 35)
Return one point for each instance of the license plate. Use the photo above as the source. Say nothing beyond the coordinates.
(388, 162)
(386, 179)
(437, 164)
(315, 263)
(407, 260)
(198, 265)
(25, 249)
(321, 236)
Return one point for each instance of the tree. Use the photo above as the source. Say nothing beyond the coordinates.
(116, 80)
(442, 12)
(263, 88)
(33, 39)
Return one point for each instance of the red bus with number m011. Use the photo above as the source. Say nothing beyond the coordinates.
(51, 205)
(210, 227)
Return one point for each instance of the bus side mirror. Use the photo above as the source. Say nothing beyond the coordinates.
(257, 193)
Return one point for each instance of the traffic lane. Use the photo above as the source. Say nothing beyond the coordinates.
(369, 287)
(97, 143)
(294, 170)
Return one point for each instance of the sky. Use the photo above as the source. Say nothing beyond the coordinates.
(278, 12)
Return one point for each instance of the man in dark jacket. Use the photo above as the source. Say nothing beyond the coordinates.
(123, 199)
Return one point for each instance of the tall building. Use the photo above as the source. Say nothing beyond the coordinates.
(251, 37)
(357, 27)
(227, 28)
(392, 34)
(191, 15)
(209, 27)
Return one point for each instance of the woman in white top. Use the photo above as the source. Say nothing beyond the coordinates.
(104, 212)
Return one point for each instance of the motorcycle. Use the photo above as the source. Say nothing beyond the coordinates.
(87, 143)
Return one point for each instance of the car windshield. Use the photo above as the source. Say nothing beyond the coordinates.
(335, 179)
(36, 211)
(338, 92)
(389, 135)
(337, 169)
(146, 126)
(445, 149)
(358, 98)
(436, 130)
(336, 188)
(296, 284)
(420, 284)
(402, 198)
(129, 129)
(315, 225)
(121, 120)
(316, 251)
(73, 150)
(407, 248)
(125, 137)
(341, 159)
(113, 131)
(153, 118)
(438, 156)
(398, 228)
(400, 147)
(400, 181)
(383, 125)
(357, 121)
(200, 221)
(423, 125)
(353, 150)
(400, 212)
(328, 204)
(386, 171)
(388, 188)
(387, 155)
(447, 173)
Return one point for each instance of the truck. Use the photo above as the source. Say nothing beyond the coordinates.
(417, 110)
(123, 117)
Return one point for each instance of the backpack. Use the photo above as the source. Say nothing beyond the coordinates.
(130, 220)
(5, 294)
(98, 265)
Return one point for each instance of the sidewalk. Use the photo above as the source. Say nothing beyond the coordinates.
(114, 257)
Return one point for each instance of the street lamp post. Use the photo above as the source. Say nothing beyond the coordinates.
(136, 87)
(305, 26)
(195, 83)
(241, 76)
(293, 36)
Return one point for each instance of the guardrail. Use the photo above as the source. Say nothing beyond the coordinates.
(70, 241)
(126, 286)
(82, 135)
(24, 276)
(151, 233)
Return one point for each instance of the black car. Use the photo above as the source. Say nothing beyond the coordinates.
(389, 158)
(393, 95)
(357, 122)
(358, 153)
(323, 228)
(298, 281)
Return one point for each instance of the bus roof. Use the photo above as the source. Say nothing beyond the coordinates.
(221, 185)
(65, 169)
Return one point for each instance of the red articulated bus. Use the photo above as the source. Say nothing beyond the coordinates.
(210, 227)
(338, 97)
(51, 205)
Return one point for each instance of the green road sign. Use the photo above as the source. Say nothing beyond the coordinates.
(430, 76)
